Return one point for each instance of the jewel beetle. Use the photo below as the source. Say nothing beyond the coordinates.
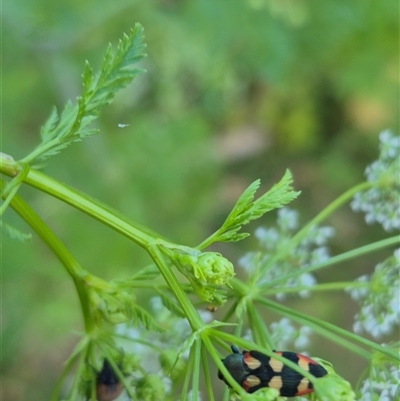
(108, 386)
(254, 370)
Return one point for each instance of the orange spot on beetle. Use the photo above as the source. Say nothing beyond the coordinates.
(305, 362)
(251, 362)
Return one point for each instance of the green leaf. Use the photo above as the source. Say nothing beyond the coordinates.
(170, 304)
(150, 272)
(217, 323)
(140, 314)
(244, 201)
(246, 210)
(278, 196)
(229, 236)
(50, 124)
(98, 91)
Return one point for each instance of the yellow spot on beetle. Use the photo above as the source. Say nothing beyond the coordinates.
(276, 382)
(302, 388)
(250, 382)
(276, 365)
(304, 363)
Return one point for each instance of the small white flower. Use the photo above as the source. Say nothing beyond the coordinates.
(381, 203)
(288, 219)
(382, 383)
(267, 237)
(380, 301)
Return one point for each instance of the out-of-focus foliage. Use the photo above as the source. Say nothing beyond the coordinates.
(234, 91)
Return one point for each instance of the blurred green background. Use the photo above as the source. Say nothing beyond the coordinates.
(234, 91)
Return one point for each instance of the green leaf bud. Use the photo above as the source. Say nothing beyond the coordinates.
(206, 268)
(333, 387)
(150, 388)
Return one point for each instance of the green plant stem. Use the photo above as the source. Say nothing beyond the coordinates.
(68, 367)
(318, 287)
(241, 289)
(327, 329)
(240, 318)
(207, 375)
(90, 206)
(363, 250)
(189, 369)
(209, 240)
(196, 349)
(190, 312)
(77, 377)
(8, 191)
(106, 215)
(291, 244)
(230, 311)
(71, 265)
(258, 328)
(44, 147)
(221, 343)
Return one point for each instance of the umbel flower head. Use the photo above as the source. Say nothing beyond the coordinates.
(379, 298)
(383, 378)
(311, 249)
(381, 203)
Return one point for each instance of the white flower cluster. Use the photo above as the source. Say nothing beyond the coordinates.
(381, 203)
(380, 298)
(311, 250)
(382, 385)
(285, 334)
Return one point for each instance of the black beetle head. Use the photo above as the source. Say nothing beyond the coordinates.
(235, 366)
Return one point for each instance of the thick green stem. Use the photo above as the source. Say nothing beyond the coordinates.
(8, 191)
(92, 207)
(121, 224)
(71, 265)
(189, 310)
